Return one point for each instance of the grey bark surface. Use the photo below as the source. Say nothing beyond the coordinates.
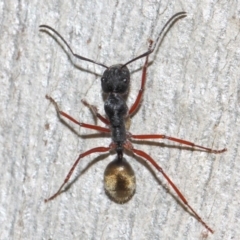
(192, 92)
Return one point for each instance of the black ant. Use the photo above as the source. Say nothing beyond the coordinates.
(119, 178)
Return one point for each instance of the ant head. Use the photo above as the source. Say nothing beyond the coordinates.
(116, 79)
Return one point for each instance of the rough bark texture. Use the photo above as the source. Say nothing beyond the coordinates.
(192, 92)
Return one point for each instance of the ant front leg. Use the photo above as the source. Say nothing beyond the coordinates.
(136, 104)
(95, 112)
(81, 124)
(178, 140)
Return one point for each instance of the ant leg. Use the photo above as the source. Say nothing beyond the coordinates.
(95, 127)
(136, 104)
(180, 195)
(181, 141)
(95, 112)
(93, 150)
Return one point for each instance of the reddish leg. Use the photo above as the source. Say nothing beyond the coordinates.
(180, 195)
(85, 125)
(95, 112)
(136, 104)
(93, 150)
(181, 141)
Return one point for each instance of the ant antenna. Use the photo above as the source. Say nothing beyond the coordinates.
(151, 48)
(74, 54)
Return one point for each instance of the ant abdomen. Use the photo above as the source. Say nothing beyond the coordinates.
(119, 180)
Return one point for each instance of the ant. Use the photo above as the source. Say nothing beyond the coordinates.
(119, 177)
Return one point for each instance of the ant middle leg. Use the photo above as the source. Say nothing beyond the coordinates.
(81, 124)
(178, 140)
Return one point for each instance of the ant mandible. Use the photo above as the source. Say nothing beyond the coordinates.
(119, 177)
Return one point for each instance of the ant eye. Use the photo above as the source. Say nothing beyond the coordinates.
(103, 79)
(124, 80)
